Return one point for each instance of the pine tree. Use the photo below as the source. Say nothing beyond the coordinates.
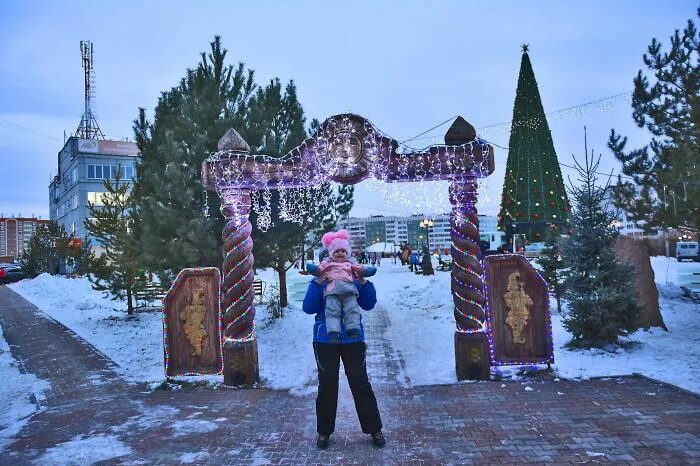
(174, 231)
(276, 126)
(116, 271)
(552, 264)
(48, 248)
(600, 289)
(664, 190)
(533, 191)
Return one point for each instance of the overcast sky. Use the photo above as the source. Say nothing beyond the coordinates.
(404, 65)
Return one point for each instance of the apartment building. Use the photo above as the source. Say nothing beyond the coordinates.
(413, 230)
(83, 165)
(15, 233)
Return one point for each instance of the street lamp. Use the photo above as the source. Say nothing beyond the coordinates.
(427, 224)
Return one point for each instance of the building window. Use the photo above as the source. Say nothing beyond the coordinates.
(95, 198)
(109, 172)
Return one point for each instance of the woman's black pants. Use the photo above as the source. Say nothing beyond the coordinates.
(328, 362)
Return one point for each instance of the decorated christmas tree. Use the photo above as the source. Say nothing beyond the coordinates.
(533, 197)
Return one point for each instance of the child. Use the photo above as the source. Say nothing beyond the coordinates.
(341, 292)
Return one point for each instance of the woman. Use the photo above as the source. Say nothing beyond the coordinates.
(328, 356)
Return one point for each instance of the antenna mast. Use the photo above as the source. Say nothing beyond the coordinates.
(88, 128)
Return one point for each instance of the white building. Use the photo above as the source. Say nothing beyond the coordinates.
(83, 165)
(376, 229)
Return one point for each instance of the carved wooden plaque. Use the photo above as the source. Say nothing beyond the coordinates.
(191, 324)
(518, 308)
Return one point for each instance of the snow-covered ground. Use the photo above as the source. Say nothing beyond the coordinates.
(421, 330)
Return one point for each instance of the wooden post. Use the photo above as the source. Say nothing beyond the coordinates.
(471, 344)
(240, 347)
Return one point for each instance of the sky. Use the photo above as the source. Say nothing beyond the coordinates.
(405, 65)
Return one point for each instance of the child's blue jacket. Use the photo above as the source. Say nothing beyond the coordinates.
(315, 303)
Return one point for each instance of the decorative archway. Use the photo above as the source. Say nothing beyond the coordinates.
(347, 149)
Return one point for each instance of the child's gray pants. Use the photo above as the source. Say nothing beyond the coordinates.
(341, 304)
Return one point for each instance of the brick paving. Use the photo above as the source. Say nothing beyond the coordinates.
(629, 420)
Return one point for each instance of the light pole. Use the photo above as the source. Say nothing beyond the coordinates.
(427, 224)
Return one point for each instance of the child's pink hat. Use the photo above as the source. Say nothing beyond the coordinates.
(334, 240)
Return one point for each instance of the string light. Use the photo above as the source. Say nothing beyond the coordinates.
(344, 147)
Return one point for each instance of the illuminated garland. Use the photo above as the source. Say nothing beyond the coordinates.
(166, 330)
(489, 321)
(298, 175)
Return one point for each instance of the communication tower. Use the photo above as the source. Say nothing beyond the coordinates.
(88, 128)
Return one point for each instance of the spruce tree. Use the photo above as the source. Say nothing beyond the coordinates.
(600, 289)
(117, 270)
(179, 224)
(533, 191)
(553, 265)
(664, 190)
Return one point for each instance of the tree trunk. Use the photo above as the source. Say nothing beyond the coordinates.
(282, 277)
(129, 302)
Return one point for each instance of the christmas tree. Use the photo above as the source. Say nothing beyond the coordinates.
(533, 197)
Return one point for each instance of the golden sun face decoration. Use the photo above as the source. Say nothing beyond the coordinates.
(346, 148)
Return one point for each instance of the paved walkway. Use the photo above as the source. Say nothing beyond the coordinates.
(91, 416)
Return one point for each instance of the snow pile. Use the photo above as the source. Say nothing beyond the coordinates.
(21, 394)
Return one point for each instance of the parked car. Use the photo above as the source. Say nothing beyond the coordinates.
(688, 250)
(11, 273)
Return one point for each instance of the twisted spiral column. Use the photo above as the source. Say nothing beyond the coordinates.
(471, 342)
(467, 273)
(237, 293)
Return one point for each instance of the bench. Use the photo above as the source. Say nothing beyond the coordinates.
(444, 266)
(151, 292)
(258, 288)
(689, 281)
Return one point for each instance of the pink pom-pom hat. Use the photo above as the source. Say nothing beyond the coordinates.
(334, 240)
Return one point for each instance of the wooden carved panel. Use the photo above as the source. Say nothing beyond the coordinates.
(191, 324)
(518, 310)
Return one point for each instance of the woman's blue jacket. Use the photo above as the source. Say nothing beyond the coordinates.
(315, 303)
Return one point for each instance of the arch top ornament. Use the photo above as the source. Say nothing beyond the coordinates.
(347, 149)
